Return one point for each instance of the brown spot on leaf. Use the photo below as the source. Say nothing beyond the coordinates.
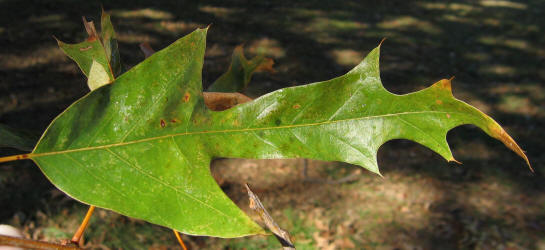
(174, 120)
(438, 102)
(445, 84)
(187, 96)
(163, 123)
(296, 106)
(86, 48)
(442, 85)
(448, 115)
(221, 101)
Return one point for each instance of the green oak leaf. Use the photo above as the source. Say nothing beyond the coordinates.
(98, 56)
(109, 40)
(240, 72)
(142, 146)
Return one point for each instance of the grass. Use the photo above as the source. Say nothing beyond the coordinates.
(494, 48)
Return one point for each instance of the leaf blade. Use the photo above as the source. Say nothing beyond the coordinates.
(240, 71)
(97, 56)
(154, 146)
(109, 39)
(105, 125)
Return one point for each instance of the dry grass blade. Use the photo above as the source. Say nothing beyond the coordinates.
(281, 235)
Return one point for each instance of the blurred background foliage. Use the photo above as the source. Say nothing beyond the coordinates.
(493, 48)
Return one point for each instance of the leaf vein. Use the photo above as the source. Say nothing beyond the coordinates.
(354, 93)
(150, 110)
(34, 155)
(134, 166)
(94, 176)
(419, 129)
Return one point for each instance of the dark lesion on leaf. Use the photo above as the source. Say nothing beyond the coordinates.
(218, 101)
(187, 96)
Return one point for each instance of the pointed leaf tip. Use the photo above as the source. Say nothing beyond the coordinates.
(240, 72)
(445, 84)
(373, 170)
(454, 160)
(381, 41)
(91, 30)
(499, 133)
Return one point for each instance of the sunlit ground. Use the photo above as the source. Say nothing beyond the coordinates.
(493, 48)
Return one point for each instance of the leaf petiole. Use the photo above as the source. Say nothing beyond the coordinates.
(76, 239)
(14, 157)
(179, 237)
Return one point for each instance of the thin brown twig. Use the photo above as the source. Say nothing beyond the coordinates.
(79, 233)
(179, 237)
(32, 244)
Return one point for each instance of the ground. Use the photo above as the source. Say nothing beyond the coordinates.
(493, 48)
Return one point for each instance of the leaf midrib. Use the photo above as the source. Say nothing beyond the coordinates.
(36, 155)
